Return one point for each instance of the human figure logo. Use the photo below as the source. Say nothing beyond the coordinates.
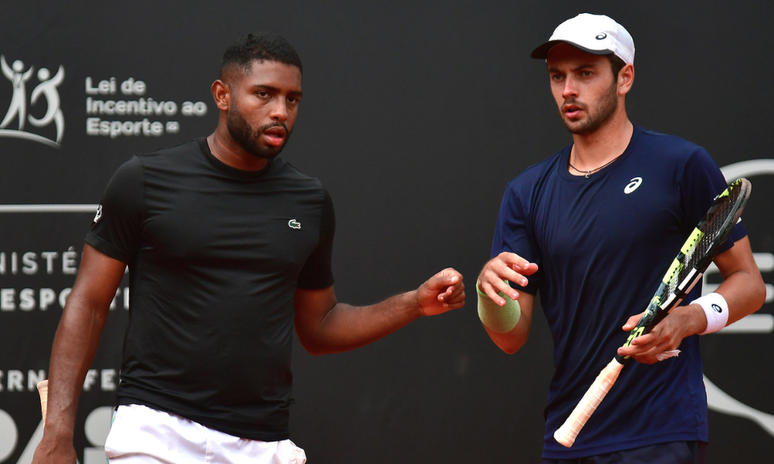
(18, 77)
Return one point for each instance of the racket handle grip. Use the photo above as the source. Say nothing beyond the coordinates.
(43, 391)
(566, 434)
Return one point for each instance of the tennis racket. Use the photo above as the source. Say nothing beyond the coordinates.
(686, 269)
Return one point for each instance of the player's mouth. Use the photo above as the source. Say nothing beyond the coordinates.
(275, 136)
(572, 111)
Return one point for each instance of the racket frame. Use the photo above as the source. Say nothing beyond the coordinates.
(656, 310)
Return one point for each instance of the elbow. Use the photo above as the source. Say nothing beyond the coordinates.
(760, 295)
(756, 294)
(314, 350)
(754, 297)
(509, 345)
(315, 347)
(509, 350)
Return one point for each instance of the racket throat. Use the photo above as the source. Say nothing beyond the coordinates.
(689, 282)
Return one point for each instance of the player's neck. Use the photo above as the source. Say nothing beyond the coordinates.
(228, 151)
(590, 151)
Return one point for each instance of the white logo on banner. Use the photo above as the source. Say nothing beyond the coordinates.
(717, 399)
(46, 90)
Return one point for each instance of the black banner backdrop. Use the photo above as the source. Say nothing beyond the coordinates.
(415, 116)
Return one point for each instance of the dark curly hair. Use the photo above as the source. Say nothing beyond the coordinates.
(258, 46)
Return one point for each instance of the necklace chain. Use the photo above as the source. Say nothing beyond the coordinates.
(590, 171)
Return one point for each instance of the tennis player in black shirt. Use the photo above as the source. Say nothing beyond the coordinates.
(229, 253)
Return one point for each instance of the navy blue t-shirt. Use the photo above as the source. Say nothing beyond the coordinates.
(602, 245)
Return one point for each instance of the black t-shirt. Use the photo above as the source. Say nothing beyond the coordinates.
(215, 255)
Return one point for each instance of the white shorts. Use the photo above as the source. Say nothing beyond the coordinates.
(141, 435)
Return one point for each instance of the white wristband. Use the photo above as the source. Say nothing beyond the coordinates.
(715, 309)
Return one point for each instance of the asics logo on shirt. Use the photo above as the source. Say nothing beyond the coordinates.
(99, 214)
(633, 185)
(293, 224)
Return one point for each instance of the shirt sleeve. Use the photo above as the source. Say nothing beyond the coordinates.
(116, 229)
(318, 272)
(512, 234)
(701, 182)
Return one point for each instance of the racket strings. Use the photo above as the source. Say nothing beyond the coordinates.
(715, 225)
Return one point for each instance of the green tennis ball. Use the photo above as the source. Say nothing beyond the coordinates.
(500, 319)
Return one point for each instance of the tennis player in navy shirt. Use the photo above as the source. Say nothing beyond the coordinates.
(592, 229)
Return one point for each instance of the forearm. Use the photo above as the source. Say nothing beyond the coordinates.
(744, 292)
(75, 345)
(742, 288)
(494, 293)
(345, 327)
(741, 294)
(510, 338)
(512, 341)
(325, 326)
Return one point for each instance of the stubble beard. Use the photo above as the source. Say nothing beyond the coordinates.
(249, 138)
(596, 117)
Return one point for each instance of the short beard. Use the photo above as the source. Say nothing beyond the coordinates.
(248, 138)
(601, 114)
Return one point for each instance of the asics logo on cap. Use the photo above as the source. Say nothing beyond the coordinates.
(601, 36)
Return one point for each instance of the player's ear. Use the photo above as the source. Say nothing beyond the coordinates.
(222, 94)
(625, 79)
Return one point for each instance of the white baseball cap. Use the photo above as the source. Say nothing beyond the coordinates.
(595, 34)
